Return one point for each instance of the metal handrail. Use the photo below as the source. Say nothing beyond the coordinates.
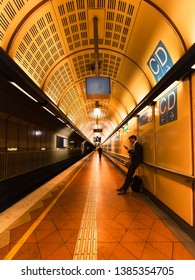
(123, 162)
(120, 158)
(189, 177)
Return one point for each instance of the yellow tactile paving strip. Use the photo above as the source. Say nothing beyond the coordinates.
(86, 246)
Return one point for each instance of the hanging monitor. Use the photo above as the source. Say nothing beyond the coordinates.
(98, 87)
(96, 139)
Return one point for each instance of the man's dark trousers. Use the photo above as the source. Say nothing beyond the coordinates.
(129, 176)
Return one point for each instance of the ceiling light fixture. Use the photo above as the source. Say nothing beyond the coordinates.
(168, 89)
(61, 120)
(193, 66)
(97, 112)
(143, 110)
(48, 110)
(21, 89)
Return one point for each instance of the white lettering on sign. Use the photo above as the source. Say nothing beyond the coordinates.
(152, 63)
(171, 100)
(161, 54)
(160, 61)
(12, 149)
(163, 105)
(168, 107)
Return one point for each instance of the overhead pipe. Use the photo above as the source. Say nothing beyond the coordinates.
(96, 48)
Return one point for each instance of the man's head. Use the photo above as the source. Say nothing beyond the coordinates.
(132, 139)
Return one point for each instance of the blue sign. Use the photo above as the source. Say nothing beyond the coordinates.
(168, 107)
(145, 117)
(160, 62)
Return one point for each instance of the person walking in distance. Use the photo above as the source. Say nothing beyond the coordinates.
(100, 152)
(136, 155)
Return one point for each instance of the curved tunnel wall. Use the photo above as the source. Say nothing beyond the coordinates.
(168, 149)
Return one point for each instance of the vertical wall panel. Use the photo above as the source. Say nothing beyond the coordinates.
(176, 193)
(2, 166)
(22, 162)
(31, 161)
(2, 144)
(48, 138)
(23, 136)
(174, 139)
(147, 139)
(193, 148)
(2, 132)
(11, 164)
(174, 152)
(132, 129)
(38, 134)
(31, 138)
(148, 175)
(12, 132)
(43, 142)
(12, 147)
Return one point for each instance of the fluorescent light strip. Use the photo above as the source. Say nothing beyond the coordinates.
(21, 89)
(193, 66)
(48, 110)
(143, 110)
(168, 89)
(60, 120)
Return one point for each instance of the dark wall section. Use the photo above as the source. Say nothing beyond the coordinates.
(29, 156)
(15, 188)
(29, 150)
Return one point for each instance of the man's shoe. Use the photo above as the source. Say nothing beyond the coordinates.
(122, 192)
(119, 190)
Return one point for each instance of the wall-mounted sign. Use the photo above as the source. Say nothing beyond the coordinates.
(97, 130)
(12, 149)
(126, 127)
(145, 117)
(168, 107)
(160, 61)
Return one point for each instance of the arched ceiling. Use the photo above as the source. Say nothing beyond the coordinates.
(53, 42)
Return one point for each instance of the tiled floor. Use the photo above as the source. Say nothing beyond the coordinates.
(80, 216)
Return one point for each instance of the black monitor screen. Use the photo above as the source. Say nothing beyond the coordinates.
(61, 142)
(97, 139)
(99, 85)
